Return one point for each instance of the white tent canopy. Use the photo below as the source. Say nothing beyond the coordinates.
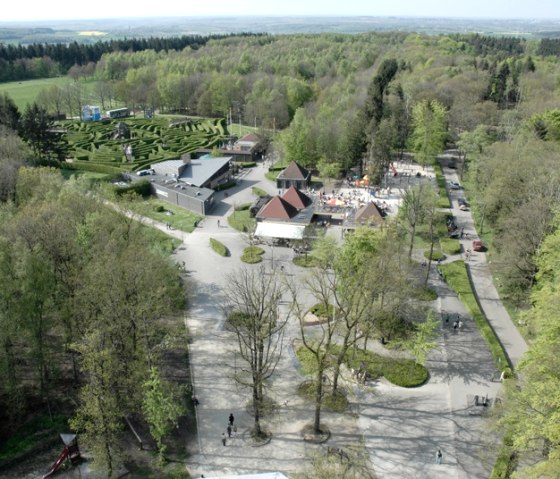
(280, 230)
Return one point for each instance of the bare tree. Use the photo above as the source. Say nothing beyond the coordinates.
(320, 284)
(252, 302)
(413, 211)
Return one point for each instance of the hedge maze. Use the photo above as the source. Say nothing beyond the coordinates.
(96, 146)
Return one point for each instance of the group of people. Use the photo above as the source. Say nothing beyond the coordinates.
(230, 429)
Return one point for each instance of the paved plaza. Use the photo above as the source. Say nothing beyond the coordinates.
(400, 428)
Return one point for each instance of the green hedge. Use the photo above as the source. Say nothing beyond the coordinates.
(443, 200)
(219, 247)
(242, 207)
(455, 274)
(225, 186)
(259, 192)
(245, 164)
(141, 188)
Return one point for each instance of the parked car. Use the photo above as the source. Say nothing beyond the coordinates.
(462, 201)
(478, 245)
(463, 207)
(454, 185)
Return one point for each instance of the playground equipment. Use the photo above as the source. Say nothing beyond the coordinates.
(71, 451)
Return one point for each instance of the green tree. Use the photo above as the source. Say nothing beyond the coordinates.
(37, 131)
(413, 211)
(298, 140)
(429, 130)
(161, 409)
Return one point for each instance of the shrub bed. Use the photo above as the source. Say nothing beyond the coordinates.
(305, 261)
(219, 247)
(401, 372)
(450, 246)
(252, 255)
(436, 255)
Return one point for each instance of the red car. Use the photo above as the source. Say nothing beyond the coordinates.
(478, 245)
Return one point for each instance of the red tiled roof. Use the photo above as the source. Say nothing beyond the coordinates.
(277, 209)
(296, 198)
(250, 137)
(369, 214)
(294, 172)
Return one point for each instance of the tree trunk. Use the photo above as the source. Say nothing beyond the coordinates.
(318, 401)
(411, 246)
(339, 360)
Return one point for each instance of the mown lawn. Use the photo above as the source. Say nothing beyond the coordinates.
(26, 91)
(241, 221)
(181, 219)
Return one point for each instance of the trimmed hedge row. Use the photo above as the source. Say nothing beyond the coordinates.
(219, 247)
(152, 140)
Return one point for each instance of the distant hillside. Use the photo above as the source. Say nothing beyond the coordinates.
(89, 31)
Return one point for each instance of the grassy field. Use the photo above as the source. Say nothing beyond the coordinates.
(24, 92)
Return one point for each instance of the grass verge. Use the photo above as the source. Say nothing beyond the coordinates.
(455, 274)
(179, 219)
(32, 435)
(241, 221)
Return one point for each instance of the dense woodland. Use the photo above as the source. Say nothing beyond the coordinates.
(333, 102)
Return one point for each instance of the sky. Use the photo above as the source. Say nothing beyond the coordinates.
(26, 10)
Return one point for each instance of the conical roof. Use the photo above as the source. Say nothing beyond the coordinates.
(296, 198)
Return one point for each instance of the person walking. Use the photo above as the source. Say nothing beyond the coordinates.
(231, 418)
(229, 430)
(218, 223)
(439, 455)
(224, 438)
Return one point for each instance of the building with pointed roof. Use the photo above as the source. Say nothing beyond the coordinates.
(285, 216)
(370, 215)
(297, 198)
(277, 209)
(294, 175)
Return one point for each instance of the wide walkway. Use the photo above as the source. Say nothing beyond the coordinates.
(498, 317)
(401, 429)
